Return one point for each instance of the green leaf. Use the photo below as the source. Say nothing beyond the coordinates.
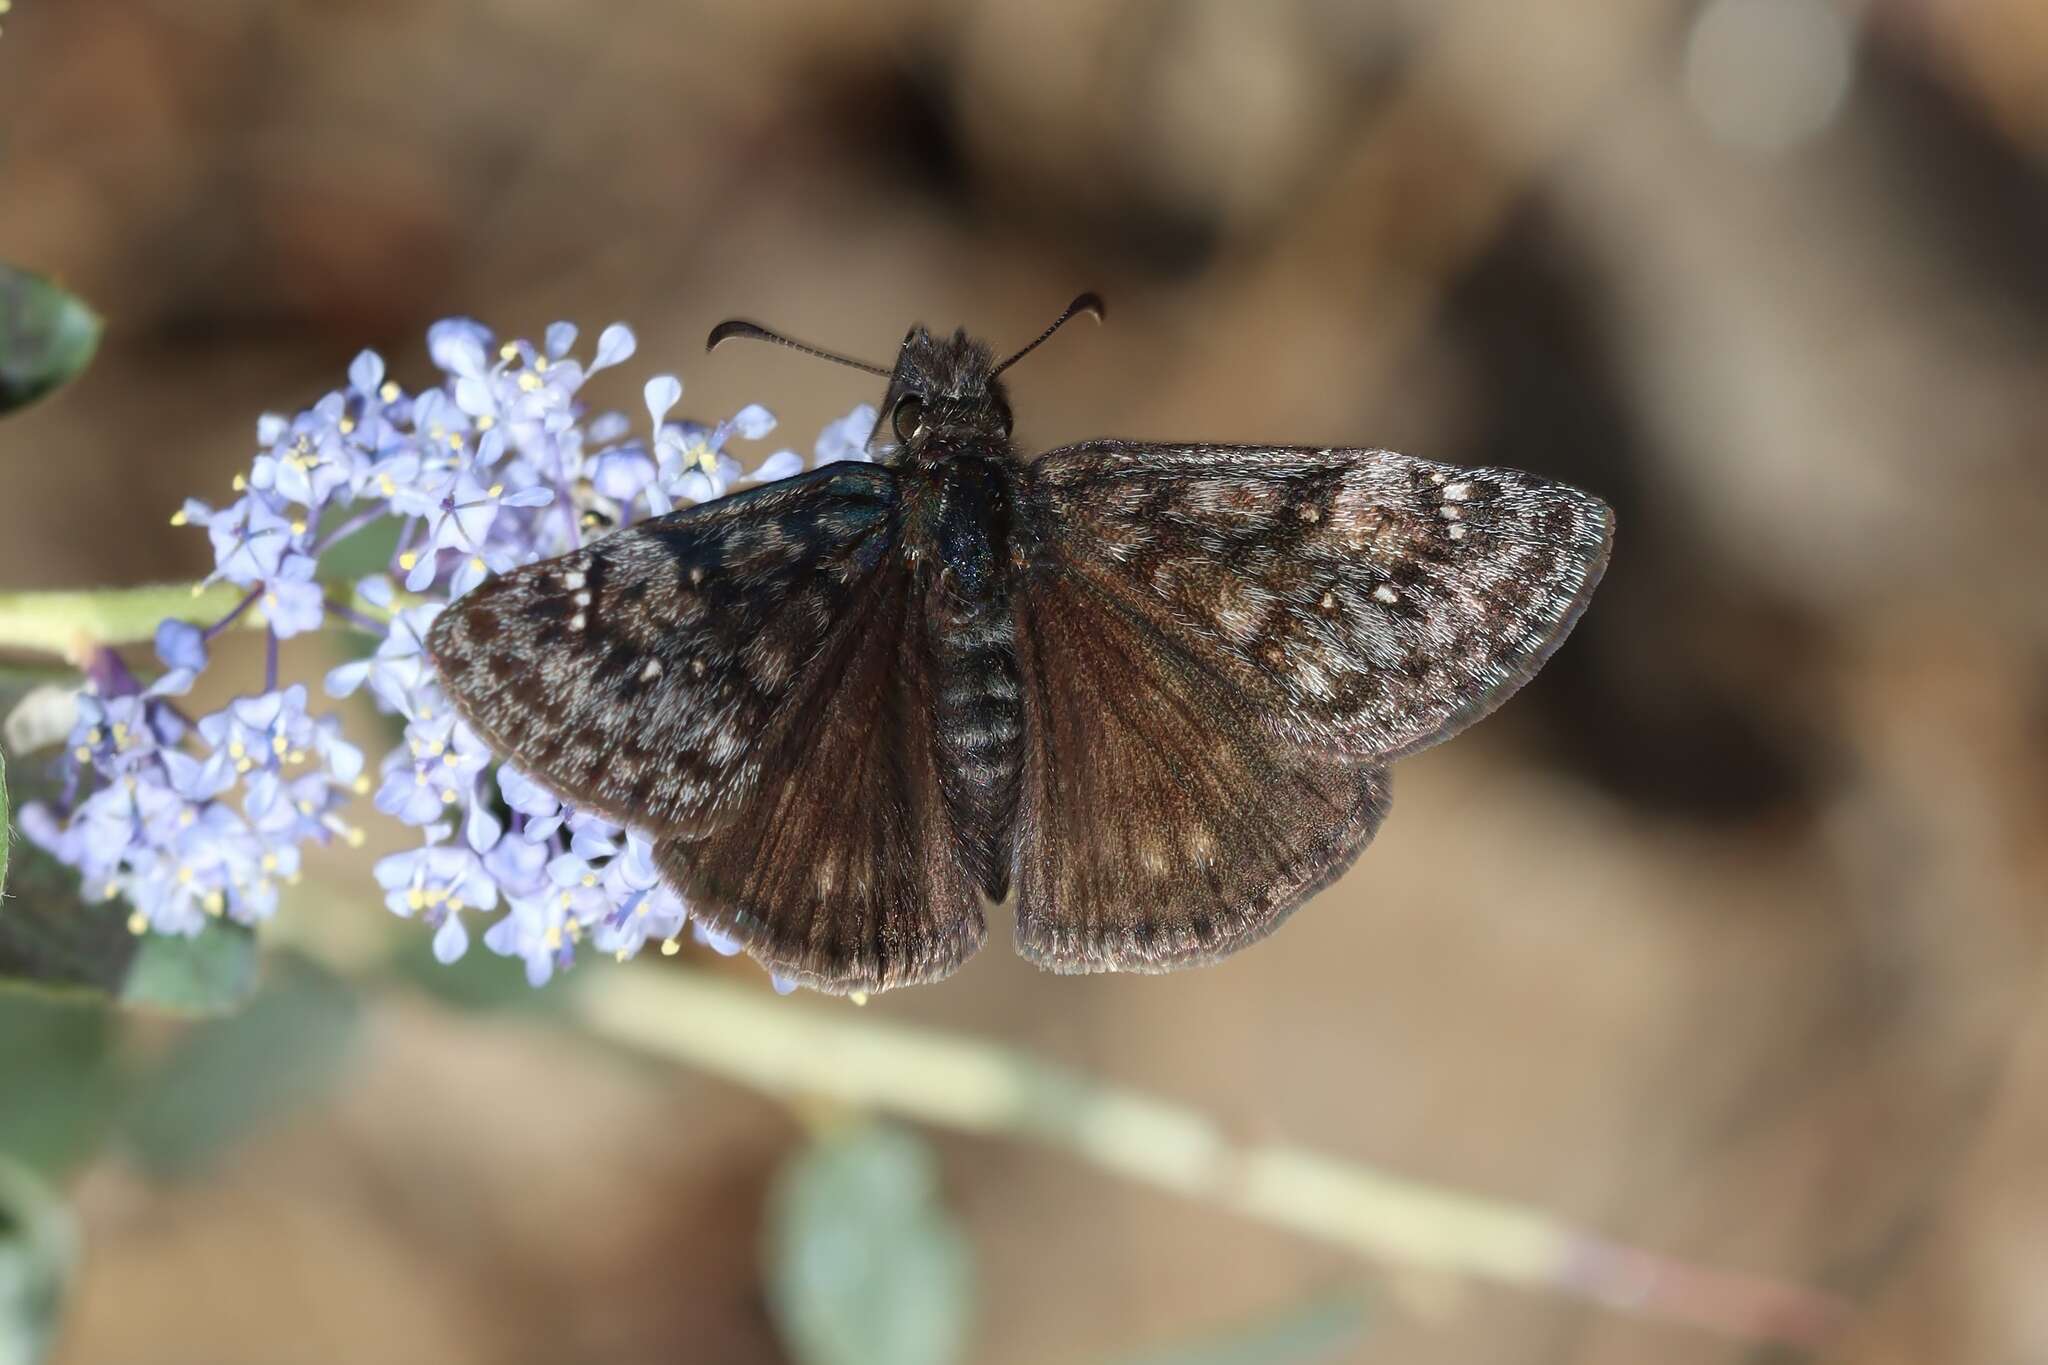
(46, 337)
(38, 1252)
(1325, 1328)
(228, 1078)
(866, 1267)
(51, 940)
(60, 1079)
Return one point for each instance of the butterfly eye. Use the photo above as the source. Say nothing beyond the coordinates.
(908, 418)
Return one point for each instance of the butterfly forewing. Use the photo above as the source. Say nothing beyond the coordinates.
(728, 679)
(637, 677)
(1361, 599)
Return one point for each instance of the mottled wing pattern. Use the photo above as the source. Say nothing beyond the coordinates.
(1364, 600)
(842, 869)
(1222, 647)
(724, 678)
(1163, 823)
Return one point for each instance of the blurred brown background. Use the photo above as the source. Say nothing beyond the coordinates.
(1725, 938)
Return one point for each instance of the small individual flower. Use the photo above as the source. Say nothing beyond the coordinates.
(437, 883)
(846, 438)
(293, 603)
(462, 523)
(181, 644)
(400, 673)
(250, 540)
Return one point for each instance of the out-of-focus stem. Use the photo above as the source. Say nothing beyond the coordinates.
(67, 623)
(71, 624)
(793, 1049)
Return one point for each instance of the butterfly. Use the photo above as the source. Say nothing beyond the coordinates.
(1146, 692)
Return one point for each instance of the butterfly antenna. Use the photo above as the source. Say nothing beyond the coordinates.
(1089, 303)
(754, 331)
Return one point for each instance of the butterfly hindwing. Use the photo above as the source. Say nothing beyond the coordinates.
(1163, 822)
(842, 870)
(726, 679)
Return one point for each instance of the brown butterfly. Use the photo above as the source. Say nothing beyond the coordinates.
(1150, 690)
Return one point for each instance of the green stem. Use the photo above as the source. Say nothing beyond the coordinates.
(798, 1050)
(65, 623)
(60, 622)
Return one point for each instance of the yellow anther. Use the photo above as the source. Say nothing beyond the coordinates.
(270, 601)
(451, 758)
(619, 955)
(509, 351)
(447, 798)
(389, 393)
(354, 836)
(416, 899)
(270, 862)
(245, 765)
(540, 362)
(529, 381)
(188, 816)
(859, 997)
(296, 756)
(178, 518)
(497, 491)
(82, 754)
(299, 527)
(138, 923)
(215, 903)
(407, 560)
(185, 876)
(279, 745)
(669, 947)
(486, 422)
(552, 939)
(476, 562)
(361, 787)
(454, 441)
(347, 425)
(590, 879)
(239, 483)
(235, 749)
(385, 486)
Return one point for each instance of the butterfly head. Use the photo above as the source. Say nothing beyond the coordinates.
(943, 394)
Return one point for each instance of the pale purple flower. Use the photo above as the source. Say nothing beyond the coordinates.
(846, 438)
(495, 463)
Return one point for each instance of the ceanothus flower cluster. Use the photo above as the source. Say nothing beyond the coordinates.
(499, 464)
